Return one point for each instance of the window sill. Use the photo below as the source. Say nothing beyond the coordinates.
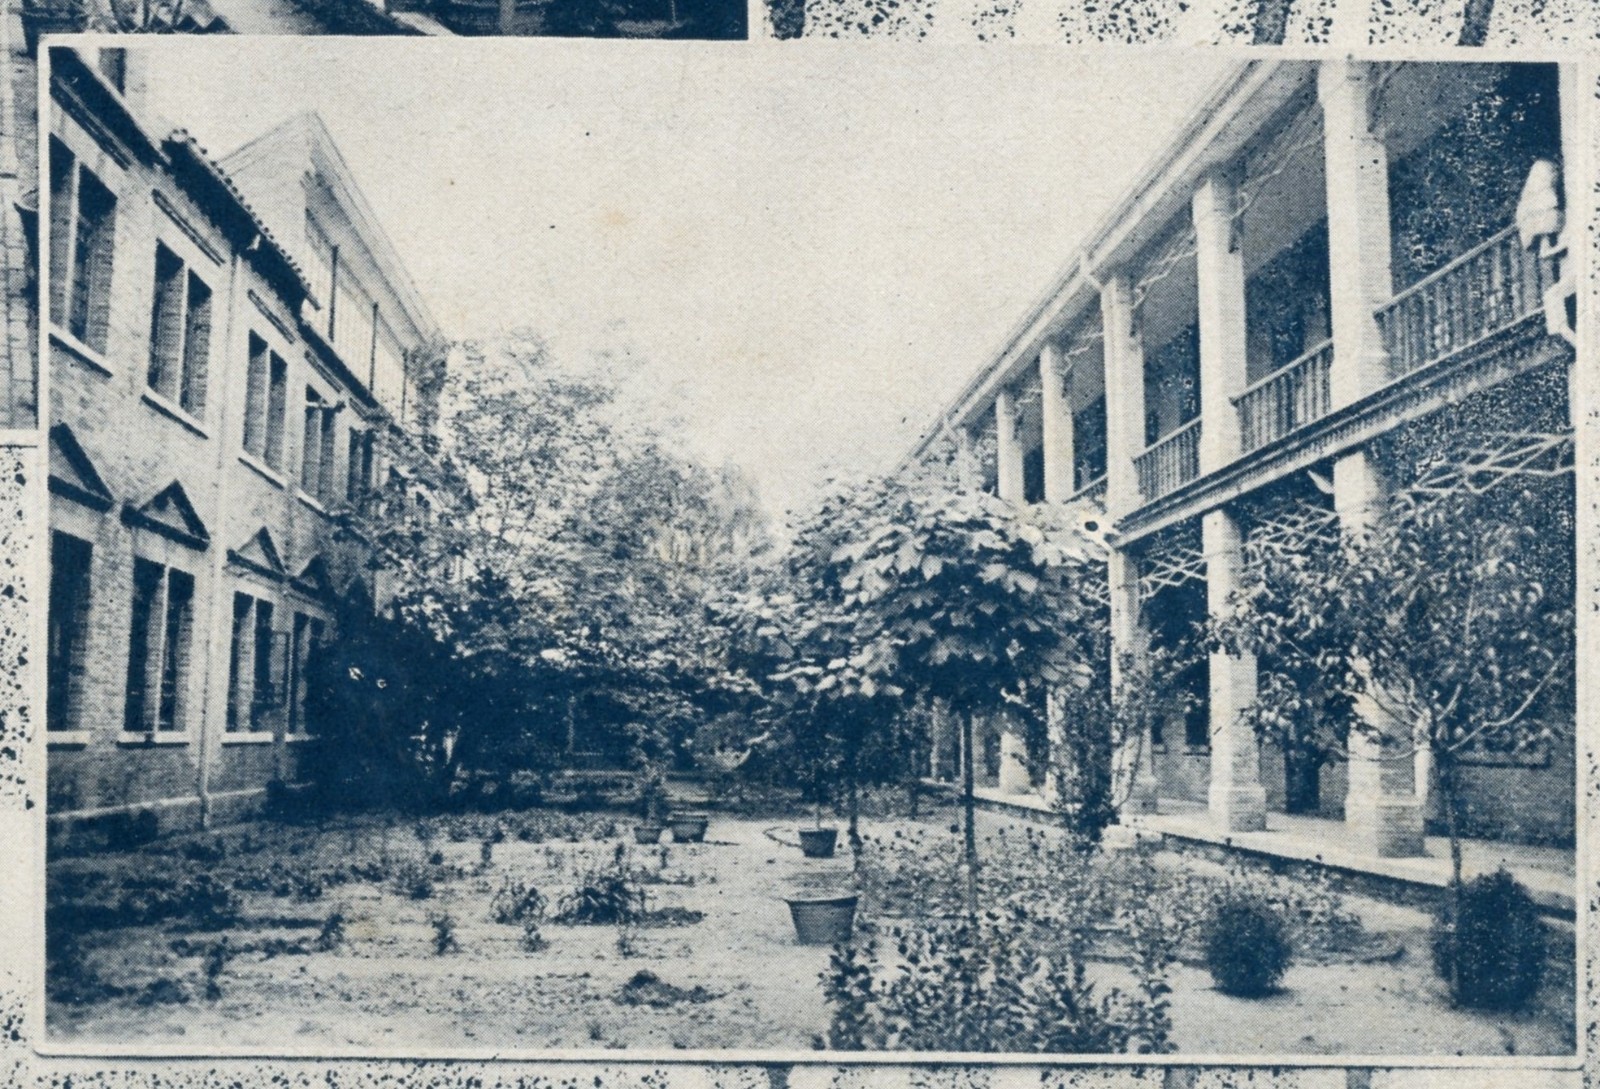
(262, 469)
(173, 412)
(313, 502)
(1197, 750)
(158, 738)
(67, 739)
(294, 739)
(249, 737)
(79, 350)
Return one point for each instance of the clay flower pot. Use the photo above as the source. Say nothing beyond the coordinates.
(818, 842)
(647, 833)
(688, 827)
(822, 918)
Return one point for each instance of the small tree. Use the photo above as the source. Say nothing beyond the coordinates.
(950, 595)
(1454, 617)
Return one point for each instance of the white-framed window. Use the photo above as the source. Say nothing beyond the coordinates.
(307, 641)
(317, 450)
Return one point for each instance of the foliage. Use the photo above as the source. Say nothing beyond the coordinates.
(444, 934)
(517, 902)
(605, 897)
(1247, 947)
(1008, 979)
(1495, 954)
(546, 558)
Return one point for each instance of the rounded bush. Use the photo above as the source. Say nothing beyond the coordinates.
(1247, 948)
(1497, 958)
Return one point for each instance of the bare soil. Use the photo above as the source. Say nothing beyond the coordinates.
(735, 979)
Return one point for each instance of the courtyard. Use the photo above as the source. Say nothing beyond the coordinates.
(294, 935)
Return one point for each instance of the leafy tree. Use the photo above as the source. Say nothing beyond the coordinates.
(1453, 615)
(555, 540)
(937, 594)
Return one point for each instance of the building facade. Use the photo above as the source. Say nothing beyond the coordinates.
(1342, 280)
(230, 344)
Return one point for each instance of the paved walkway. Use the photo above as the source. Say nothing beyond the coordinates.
(1549, 873)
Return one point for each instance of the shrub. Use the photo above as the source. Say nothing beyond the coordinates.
(516, 902)
(1010, 980)
(331, 936)
(533, 940)
(444, 934)
(603, 898)
(413, 881)
(1246, 947)
(1495, 958)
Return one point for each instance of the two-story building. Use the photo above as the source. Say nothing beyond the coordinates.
(1341, 280)
(229, 343)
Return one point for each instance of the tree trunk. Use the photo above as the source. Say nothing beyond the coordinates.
(854, 833)
(1446, 779)
(969, 815)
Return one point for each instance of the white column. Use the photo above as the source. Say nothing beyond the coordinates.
(1008, 448)
(967, 473)
(1124, 364)
(1219, 270)
(1236, 798)
(1013, 759)
(1055, 413)
(1357, 168)
(1135, 776)
(1381, 803)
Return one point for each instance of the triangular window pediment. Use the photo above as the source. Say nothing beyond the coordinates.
(260, 554)
(72, 474)
(169, 513)
(313, 579)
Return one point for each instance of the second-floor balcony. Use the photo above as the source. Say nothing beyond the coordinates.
(1170, 462)
(1287, 399)
(1491, 287)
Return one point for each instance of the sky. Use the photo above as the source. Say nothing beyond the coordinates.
(811, 246)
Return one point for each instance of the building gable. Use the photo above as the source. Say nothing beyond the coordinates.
(73, 475)
(169, 513)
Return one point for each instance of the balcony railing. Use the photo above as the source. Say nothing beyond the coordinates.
(1287, 399)
(1170, 463)
(1094, 490)
(1490, 287)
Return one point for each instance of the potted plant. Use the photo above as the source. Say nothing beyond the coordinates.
(688, 826)
(822, 914)
(652, 805)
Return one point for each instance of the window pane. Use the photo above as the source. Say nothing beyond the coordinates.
(238, 649)
(196, 347)
(166, 324)
(175, 655)
(265, 698)
(255, 397)
(277, 409)
(146, 589)
(68, 624)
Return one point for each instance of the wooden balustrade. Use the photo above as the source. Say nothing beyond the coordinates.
(1287, 399)
(1170, 462)
(1490, 287)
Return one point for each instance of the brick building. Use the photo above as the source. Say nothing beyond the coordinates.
(1334, 262)
(229, 345)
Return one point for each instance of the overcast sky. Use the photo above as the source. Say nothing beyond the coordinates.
(813, 245)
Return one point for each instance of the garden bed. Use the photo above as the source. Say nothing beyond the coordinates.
(397, 932)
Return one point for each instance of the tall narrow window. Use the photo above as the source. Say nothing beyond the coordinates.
(307, 638)
(277, 410)
(330, 439)
(68, 623)
(238, 656)
(82, 226)
(264, 698)
(175, 649)
(180, 333)
(311, 444)
(143, 637)
(257, 379)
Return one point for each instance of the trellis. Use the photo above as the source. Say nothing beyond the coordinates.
(1489, 459)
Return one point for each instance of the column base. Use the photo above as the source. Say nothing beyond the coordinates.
(1389, 826)
(1143, 793)
(1014, 777)
(1238, 808)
